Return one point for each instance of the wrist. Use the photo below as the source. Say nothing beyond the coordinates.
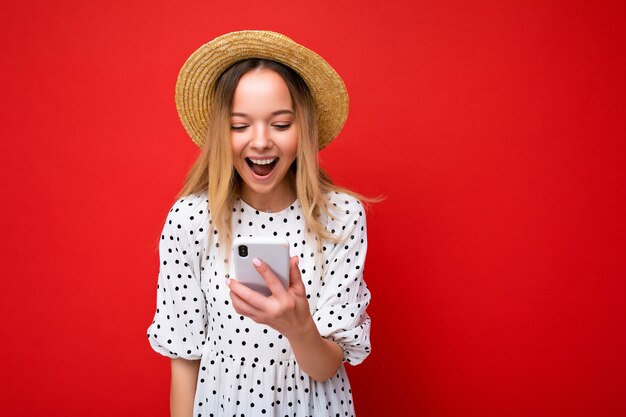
(304, 333)
(318, 357)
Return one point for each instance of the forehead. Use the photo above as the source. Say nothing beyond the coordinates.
(261, 88)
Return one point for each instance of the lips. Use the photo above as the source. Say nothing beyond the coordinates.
(262, 167)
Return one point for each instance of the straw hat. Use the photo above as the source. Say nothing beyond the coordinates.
(196, 82)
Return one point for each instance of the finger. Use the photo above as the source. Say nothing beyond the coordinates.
(251, 297)
(273, 283)
(244, 308)
(295, 277)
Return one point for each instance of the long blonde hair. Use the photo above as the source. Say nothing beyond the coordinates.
(213, 171)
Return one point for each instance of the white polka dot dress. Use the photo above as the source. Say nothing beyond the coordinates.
(248, 369)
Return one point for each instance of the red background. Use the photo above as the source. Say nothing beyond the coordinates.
(496, 130)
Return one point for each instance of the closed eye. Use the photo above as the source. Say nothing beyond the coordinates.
(282, 126)
(238, 127)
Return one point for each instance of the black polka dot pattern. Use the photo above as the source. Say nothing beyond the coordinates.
(246, 368)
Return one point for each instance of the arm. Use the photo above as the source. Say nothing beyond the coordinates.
(320, 358)
(287, 311)
(179, 328)
(183, 386)
(340, 313)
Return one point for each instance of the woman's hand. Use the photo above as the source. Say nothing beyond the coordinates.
(286, 310)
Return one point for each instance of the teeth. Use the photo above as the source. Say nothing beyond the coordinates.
(262, 161)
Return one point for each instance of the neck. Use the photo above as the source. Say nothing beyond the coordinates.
(278, 200)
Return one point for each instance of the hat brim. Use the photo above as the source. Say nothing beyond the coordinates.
(196, 82)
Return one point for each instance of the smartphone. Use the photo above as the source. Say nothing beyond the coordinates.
(274, 251)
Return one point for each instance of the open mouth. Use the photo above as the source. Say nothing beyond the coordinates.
(262, 167)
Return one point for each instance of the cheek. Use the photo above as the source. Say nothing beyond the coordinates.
(235, 146)
(237, 162)
(291, 146)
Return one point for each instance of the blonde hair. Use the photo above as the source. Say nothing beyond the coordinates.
(213, 171)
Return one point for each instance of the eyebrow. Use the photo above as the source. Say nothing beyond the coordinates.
(276, 113)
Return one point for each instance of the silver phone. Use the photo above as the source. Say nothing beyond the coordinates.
(274, 251)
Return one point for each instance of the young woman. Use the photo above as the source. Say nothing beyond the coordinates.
(261, 107)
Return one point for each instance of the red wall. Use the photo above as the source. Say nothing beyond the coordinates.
(496, 130)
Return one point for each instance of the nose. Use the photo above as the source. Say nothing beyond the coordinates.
(261, 138)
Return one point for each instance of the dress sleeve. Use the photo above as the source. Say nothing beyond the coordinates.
(180, 323)
(340, 314)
